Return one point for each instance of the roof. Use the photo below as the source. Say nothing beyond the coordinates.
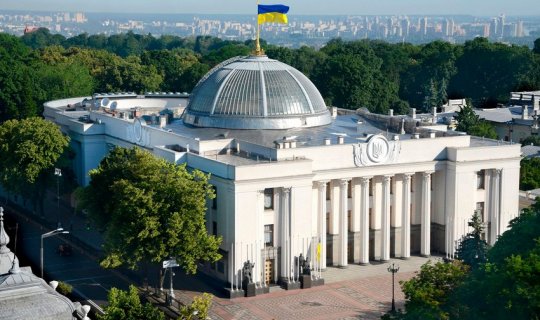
(530, 151)
(256, 93)
(23, 295)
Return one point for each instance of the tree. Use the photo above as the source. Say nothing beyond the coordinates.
(427, 294)
(531, 140)
(507, 286)
(162, 202)
(17, 80)
(472, 249)
(64, 80)
(529, 175)
(198, 309)
(478, 79)
(171, 64)
(536, 48)
(468, 121)
(30, 148)
(126, 305)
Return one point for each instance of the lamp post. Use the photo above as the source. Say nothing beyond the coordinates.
(46, 235)
(58, 174)
(393, 269)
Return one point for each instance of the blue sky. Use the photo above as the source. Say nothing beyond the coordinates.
(360, 7)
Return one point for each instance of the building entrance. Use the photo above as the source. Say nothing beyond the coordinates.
(269, 271)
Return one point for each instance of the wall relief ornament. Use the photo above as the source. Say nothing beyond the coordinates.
(377, 150)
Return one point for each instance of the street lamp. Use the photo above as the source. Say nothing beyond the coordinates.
(58, 174)
(46, 235)
(393, 269)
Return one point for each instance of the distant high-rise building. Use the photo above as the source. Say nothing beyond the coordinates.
(445, 29)
(405, 26)
(423, 25)
(500, 25)
(493, 28)
(79, 17)
(519, 32)
(67, 18)
(448, 27)
(486, 30)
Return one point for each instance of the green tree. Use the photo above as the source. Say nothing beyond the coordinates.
(529, 175)
(198, 309)
(507, 286)
(478, 79)
(18, 89)
(472, 249)
(30, 149)
(469, 122)
(531, 140)
(428, 73)
(427, 294)
(171, 64)
(126, 305)
(41, 38)
(164, 204)
(64, 80)
(483, 129)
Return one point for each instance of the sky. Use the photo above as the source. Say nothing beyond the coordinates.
(298, 7)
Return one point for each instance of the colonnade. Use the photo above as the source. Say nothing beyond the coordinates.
(360, 217)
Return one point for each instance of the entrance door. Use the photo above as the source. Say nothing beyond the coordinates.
(269, 271)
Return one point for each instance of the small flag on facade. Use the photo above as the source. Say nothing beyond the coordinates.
(319, 251)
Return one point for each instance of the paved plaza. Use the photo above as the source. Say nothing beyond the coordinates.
(367, 294)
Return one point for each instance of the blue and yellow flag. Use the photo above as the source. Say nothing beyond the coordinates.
(273, 13)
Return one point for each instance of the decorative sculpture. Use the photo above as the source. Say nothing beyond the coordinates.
(303, 265)
(247, 271)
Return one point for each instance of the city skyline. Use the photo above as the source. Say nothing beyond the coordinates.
(298, 7)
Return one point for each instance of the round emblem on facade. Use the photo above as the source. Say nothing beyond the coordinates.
(378, 149)
(137, 129)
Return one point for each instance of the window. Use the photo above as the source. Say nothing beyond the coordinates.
(269, 199)
(480, 179)
(480, 210)
(371, 187)
(269, 235)
(349, 220)
(214, 228)
(412, 183)
(391, 185)
(349, 189)
(214, 201)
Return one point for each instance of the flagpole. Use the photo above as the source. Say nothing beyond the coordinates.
(258, 43)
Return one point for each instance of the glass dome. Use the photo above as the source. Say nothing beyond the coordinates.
(256, 93)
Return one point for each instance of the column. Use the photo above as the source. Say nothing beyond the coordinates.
(364, 221)
(425, 236)
(260, 253)
(321, 186)
(385, 225)
(285, 239)
(495, 194)
(343, 222)
(356, 205)
(406, 217)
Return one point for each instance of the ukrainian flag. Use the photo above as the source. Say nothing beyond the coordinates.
(273, 13)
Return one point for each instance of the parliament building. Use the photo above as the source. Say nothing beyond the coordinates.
(293, 176)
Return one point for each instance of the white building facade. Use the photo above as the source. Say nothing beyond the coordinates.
(341, 191)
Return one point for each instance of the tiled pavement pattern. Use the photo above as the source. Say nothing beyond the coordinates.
(367, 295)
